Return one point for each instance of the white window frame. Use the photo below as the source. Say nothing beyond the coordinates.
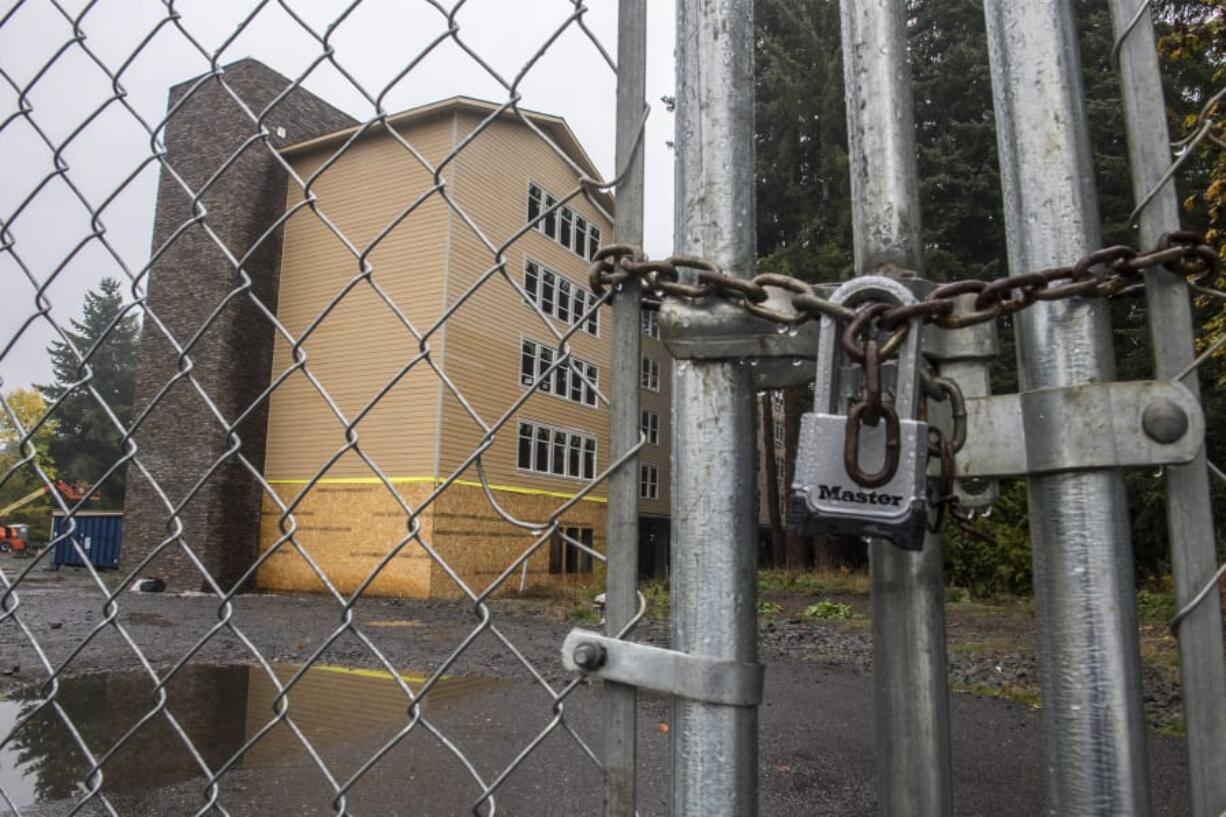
(576, 295)
(583, 243)
(559, 442)
(649, 319)
(649, 481)
(565, 379)
(649, 426)
(649, 374)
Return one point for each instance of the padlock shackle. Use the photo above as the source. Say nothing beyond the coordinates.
(830, 353)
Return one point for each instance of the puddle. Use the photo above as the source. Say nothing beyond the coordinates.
(345, 714)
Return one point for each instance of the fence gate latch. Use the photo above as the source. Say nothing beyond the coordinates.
(709, 680)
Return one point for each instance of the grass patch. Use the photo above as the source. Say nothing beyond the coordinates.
(1028, 695)
(971, 648)
(1155, 606)
(829, 611)
(659, 602)
(957, 595)
(814, 581)
(769, 609)
(1174, 728)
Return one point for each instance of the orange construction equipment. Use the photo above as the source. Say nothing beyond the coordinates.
(71, 491)
(15, 539)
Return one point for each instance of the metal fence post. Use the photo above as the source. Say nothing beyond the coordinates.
(714, 559)
(910, 684)
(1189, 512)
(1094, 731)
(621, 580)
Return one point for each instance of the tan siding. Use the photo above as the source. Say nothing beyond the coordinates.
(363, 345)
(432, 261)
(483, 360)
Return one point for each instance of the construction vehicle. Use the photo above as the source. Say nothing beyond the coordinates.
(15, 539)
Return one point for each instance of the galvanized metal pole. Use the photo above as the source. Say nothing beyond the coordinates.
(1202, 669)
(621, 580)
(910, 685)
(1094, 731)
(714, 557)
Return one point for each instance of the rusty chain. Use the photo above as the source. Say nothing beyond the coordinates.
(876, 329)
(1182, 253)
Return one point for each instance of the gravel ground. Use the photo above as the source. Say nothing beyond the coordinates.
(808, 661)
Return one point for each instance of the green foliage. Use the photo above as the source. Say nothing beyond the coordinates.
(804, 188)
(89, 441)
(20, 463)
(992, 569)
(770, 609)
(659, 600)
(804, 198)
(829, 610)
(812, 582)
(956, 595)
(1155, 606)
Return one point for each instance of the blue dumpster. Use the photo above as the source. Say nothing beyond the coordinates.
(99, 534)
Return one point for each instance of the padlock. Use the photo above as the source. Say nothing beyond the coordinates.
(825, 496)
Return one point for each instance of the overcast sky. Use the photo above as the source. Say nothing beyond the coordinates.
(373, 44)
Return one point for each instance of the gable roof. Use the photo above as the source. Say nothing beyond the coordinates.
(555, 127)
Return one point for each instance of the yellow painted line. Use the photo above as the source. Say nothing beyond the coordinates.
(510, 489)
(371, 673)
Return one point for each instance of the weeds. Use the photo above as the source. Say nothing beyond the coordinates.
(829, 611)
(811, 581)
(770, 609)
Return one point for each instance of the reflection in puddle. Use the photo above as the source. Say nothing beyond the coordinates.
(344, 714)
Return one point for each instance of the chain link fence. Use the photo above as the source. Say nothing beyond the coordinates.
(512, 495)
(372, 365)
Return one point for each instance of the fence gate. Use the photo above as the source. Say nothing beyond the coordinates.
(325, 400)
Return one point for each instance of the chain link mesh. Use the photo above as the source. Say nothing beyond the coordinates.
(1203, 136)
(32, 310)
(457, 26)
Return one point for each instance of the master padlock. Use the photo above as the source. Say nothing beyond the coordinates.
(887, 497)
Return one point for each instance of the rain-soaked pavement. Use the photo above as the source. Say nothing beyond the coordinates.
(816, 755)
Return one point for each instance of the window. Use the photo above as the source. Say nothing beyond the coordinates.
(561, 298)
(550, 224)
(564, 225)
(565, 555)
(650, 318)
(580, 246)
(593, 241)
(649, 482)
(534, 203)
(649, 426)
(556, 451)
(650, 374)
(565, 301)
(574, 380)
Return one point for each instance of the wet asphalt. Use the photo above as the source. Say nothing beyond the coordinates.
(815, 724)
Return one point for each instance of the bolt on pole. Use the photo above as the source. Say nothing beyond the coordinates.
(910, 685)
(1094, 732)
(714, 557)
(621, 580)
(1202, 670)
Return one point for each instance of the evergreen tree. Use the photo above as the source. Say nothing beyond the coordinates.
(88, 442)
(803, 185)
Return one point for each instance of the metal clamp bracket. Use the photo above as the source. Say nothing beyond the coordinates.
(730, 683)
(1094, 425)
